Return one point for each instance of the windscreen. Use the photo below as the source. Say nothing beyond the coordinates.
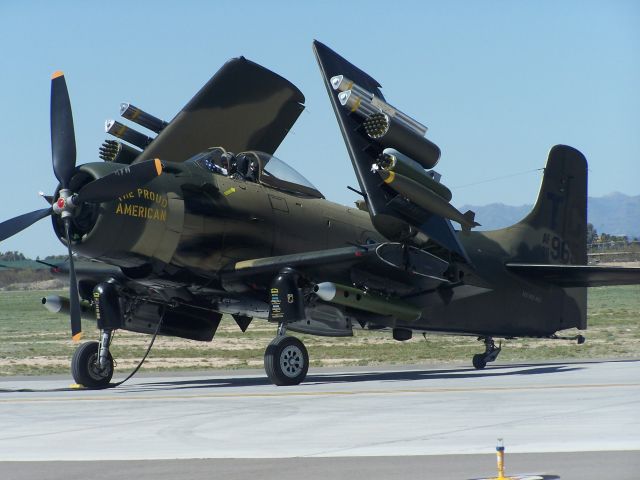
(278, 174)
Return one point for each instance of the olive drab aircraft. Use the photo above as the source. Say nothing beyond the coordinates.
(198, 218)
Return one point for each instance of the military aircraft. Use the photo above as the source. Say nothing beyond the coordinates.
(202, 220)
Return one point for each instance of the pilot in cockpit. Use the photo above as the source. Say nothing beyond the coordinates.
(244, 166)
(216, 160)
(241, 166)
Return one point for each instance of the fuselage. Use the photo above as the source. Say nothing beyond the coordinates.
(197, 222)
(202, 221)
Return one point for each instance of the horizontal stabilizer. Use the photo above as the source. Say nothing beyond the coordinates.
(578, 275)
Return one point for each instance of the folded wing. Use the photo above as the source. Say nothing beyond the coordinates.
(242, 107)
(395, 209)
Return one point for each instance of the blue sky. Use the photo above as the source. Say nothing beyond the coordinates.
(497, 83)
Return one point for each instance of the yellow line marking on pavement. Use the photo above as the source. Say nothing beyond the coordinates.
(330, 393)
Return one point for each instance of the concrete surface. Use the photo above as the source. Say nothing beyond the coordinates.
(409, 414)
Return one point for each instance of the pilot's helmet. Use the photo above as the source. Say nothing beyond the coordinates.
(228, 161)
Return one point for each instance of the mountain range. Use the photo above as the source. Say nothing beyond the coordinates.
(615, 214)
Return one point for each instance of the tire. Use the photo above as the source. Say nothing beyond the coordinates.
(479, 362)
(286, 361)
(84, 366)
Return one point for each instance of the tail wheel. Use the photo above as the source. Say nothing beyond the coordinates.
(85, 367)
(286, 361)
(479, 362)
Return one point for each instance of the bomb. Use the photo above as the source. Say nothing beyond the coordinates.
(427, 199)
(366, 301)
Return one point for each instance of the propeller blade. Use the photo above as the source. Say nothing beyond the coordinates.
(74, 297)
(50, 265)
(9, 228)
(46, 198)
(119, 182)
(63, 143)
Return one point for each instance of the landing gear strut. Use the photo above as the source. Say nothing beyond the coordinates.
(92, 363)
(491, 352)
(286, 359)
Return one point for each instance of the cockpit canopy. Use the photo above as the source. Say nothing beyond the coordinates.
(256, 166)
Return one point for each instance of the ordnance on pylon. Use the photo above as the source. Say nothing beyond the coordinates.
(62, 305)
(393, 161)
(142, 118)
(427, 199)
(365, 103)
(127, 134)
(389, 132)
(366, 301)
(115, 151)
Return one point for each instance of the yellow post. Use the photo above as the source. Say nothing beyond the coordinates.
(500, 458)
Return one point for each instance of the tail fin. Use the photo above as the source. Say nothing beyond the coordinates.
(560, 213)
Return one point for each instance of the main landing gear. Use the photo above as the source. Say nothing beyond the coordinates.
(286, 359)
(491, 352)
(92, 363)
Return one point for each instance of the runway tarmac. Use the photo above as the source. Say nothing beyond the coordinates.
(429, 418)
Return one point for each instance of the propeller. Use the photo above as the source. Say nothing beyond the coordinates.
(107, 188)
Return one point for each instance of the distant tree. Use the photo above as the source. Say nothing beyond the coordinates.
(12, 256)
(53, 258)
(592, 234)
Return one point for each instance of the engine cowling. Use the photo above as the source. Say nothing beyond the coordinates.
(131, 230)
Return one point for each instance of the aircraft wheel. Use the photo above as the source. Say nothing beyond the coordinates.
(286, 361)
(85, 368)
(479, 362)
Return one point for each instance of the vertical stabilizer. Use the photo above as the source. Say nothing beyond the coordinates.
(561, 208)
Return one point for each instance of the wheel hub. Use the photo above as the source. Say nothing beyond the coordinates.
(291, 361)
(95, 370)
